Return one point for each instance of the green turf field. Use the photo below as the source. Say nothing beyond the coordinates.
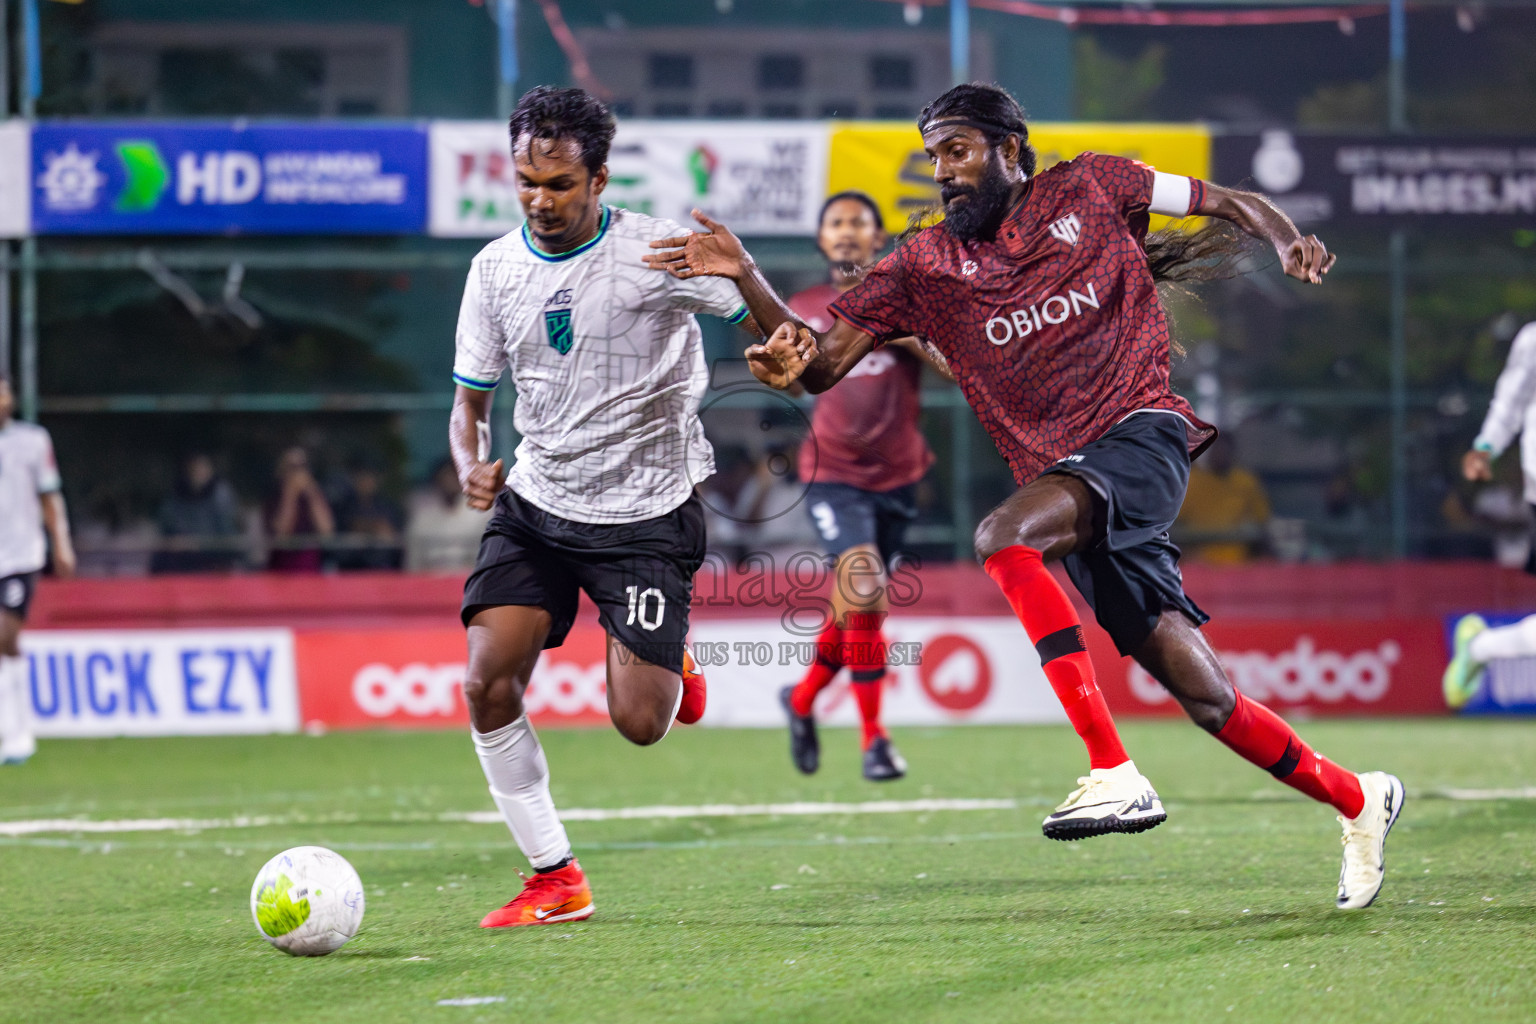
(1226, 912)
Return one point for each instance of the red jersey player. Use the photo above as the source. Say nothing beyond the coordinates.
(860, 463)
(1040, 293)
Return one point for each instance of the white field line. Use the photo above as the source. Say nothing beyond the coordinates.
(660, 812)
(33, 827)
(1519, 793)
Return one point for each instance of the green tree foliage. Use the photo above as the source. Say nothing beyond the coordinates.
(1111, 88)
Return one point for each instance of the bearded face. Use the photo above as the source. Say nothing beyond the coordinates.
(976, 211)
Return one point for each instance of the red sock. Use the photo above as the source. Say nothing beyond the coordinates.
(865, 643)
(824, 668)
(1052, 624)
(1261, 736)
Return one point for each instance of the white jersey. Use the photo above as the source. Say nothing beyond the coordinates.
(608, 364)
(1513, 409)
(27, 470)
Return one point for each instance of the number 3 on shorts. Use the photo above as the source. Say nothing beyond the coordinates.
(639, 610)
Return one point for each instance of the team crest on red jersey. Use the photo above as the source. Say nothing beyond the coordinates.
(1067, 229)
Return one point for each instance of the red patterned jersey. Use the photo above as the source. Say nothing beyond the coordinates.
(1053, 330)
(864, 430)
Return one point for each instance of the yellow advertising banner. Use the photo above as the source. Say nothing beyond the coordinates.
(886, 159)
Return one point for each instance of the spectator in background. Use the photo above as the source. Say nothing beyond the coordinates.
(734, 467)
(370, 517)
(769, 510)
(298, 512)
(198, 518)
(442, 532)
(1224, 499)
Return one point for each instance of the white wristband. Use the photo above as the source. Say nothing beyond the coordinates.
(1170, 194)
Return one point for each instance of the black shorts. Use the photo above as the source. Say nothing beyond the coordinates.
(848, 517)
(1140, 467)
(640, 575)
(16, 593)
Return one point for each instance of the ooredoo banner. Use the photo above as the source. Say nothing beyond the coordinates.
(182, 682)
(15, 160)
(414, 678)
(150, 177)
(943, 670)
(760, 178)
(887, 160)
(1316, 667)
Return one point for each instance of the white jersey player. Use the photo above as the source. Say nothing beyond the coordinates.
(1511, 414)
(606, 361)
(30, 501)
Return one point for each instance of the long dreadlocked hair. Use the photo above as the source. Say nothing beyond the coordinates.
(1216, 252)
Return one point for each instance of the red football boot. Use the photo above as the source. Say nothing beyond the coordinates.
(550, 897)
(695, 692)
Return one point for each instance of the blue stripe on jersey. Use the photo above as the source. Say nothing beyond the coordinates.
(475, 385)
(602, 229)
(738, 316)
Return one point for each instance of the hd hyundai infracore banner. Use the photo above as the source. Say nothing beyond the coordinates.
(161, 178)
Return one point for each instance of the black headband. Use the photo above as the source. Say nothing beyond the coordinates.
(985, 127)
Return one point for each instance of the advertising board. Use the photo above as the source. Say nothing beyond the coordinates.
(760, 178)
(15, 162)
(1320, 179)
(1302, 667)
(150, 177)
(886, 159)
(174, 682)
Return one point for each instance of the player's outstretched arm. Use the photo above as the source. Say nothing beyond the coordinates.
(1304, 258)
(717, 252)
(469, 442)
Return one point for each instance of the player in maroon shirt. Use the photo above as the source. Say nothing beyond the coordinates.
(1039, 291)
(860, 463)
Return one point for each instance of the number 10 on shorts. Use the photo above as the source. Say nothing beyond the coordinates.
(640, 610)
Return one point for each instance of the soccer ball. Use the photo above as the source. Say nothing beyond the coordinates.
(307, 901)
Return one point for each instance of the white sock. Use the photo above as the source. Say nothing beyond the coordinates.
(1517, 640)
(15, 707)
(518, 773)
(672, 719)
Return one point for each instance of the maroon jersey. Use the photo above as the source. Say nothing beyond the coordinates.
(1053, 330)
(864, 431)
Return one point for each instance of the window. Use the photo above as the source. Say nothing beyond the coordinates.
(671, 71)
(891, 72)
(776, 72)
(727, 108)
(780, 71)
(224, 68)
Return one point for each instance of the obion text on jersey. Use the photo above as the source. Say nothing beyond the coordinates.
(1021, 323)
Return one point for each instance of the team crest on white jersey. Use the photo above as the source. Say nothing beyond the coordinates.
(1067, 229)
